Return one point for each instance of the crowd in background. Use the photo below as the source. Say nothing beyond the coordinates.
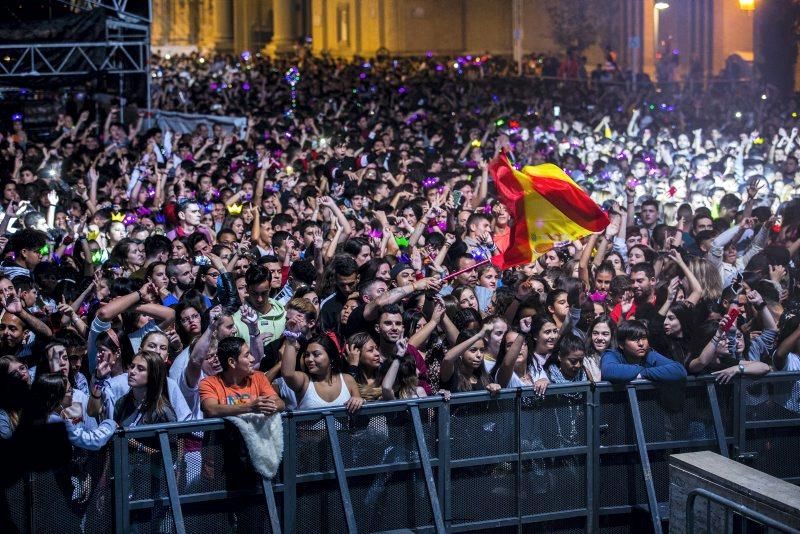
(153, 276)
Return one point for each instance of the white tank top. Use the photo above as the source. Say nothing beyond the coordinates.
(312, 400)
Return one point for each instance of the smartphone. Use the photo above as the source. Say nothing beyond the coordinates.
(731, 320)
(456, 195)
(556, 111)
(201, 260)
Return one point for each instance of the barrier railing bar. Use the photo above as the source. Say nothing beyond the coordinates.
(592, 462)
(735, 507)
(289, 475)
(716, 414)
(361, 471)
(172, 483)
(739, 417)
(648, 474)
(121, 486)
(518, 465)
(272, 508)
(28, 488)
(484, 525)
(341, 475)
(443, 452)
(195, 498)
(771, 423)
(424, 457)
(659, 445)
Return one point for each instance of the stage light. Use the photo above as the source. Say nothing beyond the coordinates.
(661, 6)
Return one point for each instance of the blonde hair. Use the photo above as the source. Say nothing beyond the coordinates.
(708, 276)
(670, 210)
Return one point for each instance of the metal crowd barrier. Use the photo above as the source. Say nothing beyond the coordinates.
(584, 457)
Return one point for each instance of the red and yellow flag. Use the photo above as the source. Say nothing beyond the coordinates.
(547, 208)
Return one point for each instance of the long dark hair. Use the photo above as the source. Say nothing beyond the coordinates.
(13, 391)
(462, 381)
(331, 347)
(567, 344)
(156, 407)
(46, 394)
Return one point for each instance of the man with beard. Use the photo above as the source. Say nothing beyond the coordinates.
(181, 279)
(639, 302)
(374, 296)
(21, 334)
(391, 343)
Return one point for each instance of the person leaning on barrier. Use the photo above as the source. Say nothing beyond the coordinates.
(633, 358)
(462, 366)
(724, 353)
(239, 388)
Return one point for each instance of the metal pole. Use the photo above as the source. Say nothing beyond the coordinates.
(719, 428)
(425, 460)
(147, 77)
(517, 33)
(272, 508)
(172, 483)
(641, 444)
(341, 474)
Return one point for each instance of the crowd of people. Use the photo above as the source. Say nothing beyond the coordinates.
(152, 276)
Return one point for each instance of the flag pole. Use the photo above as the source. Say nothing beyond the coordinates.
(466, 269)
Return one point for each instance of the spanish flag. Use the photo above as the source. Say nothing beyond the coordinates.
(547, 209)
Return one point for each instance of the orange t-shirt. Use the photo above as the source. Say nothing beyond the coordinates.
(257, 385)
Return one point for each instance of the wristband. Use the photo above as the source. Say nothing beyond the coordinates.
(761, 306)
(292, 335)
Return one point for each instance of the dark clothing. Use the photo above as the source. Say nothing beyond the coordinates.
(675, 348)
(331, 310)
(357, 323)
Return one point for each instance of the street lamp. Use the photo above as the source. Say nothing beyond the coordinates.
(659, 6)
(747, 5)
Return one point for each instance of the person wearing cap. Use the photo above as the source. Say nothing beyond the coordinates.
(402, 274)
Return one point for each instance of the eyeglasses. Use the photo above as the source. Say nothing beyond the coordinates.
(190, 318)
(212, 274)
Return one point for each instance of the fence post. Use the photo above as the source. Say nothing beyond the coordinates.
(27, 487)
(518, 470)
(425, 460)
(443, 421)
(289, 475)
(719, 427)
(272, 508)
(341, 474)
(641, 444)
(121, 484)
(739, 416)
(592, 459)
(172, 483)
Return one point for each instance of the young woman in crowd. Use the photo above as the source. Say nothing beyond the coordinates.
(322, 383)
(146, 402)
(462, 368)
(365, 366)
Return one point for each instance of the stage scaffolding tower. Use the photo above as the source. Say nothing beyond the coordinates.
(124, 50)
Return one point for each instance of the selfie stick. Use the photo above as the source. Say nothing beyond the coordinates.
(466, 269)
